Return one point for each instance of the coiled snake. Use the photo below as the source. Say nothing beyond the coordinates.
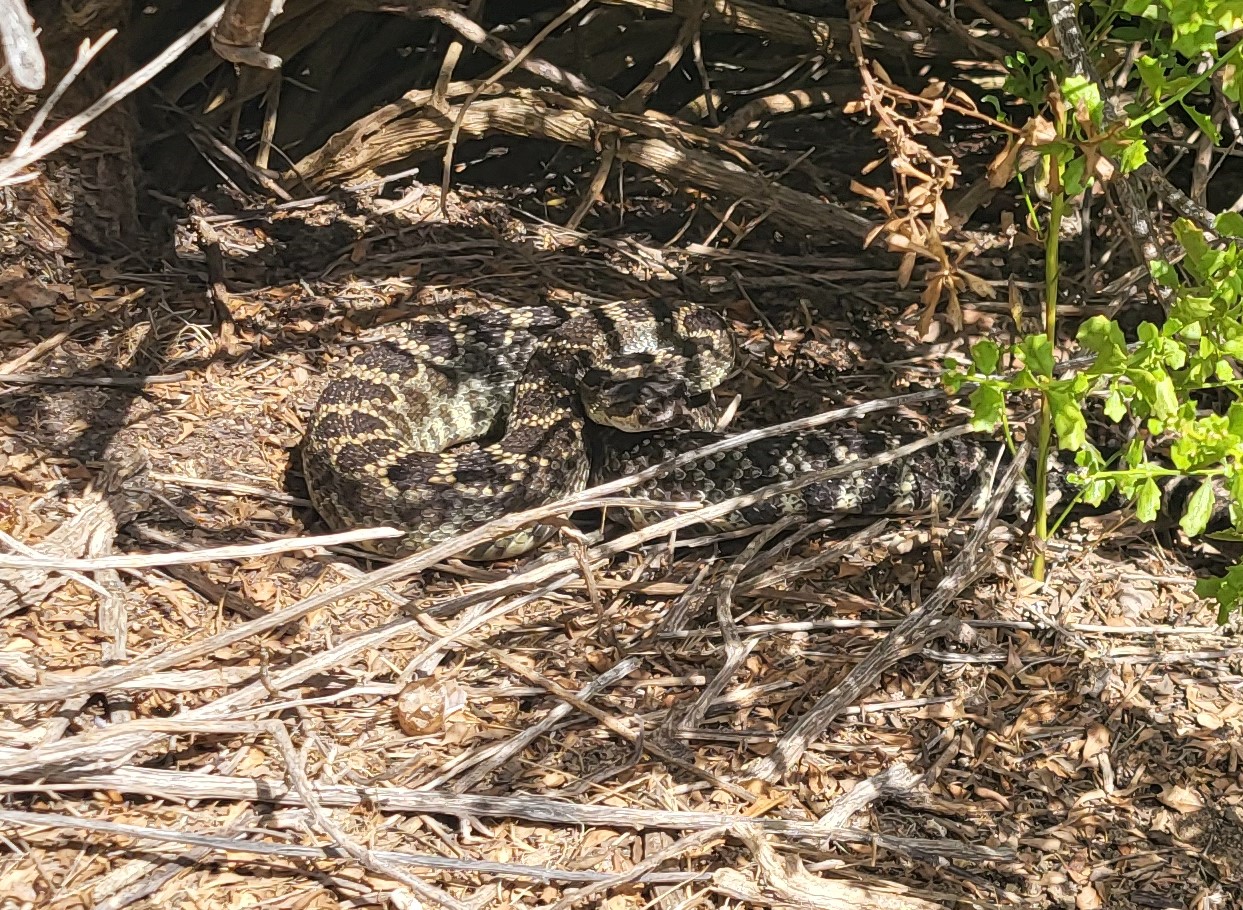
(401, 436)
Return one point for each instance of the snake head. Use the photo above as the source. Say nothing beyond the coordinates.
(643, 403)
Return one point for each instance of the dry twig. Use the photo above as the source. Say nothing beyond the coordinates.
(29, 150)
(184, 785)
(21, 46)
(909, 637)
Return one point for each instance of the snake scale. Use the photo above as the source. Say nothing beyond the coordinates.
(403, 434)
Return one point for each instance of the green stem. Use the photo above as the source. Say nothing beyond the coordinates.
(1181, 95)
(1057, 205)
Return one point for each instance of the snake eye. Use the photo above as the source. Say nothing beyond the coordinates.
(647, 403)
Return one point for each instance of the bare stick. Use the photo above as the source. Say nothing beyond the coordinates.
(896, 780)
(74, 128)
(651, 863)
(781, 881)
(182, 785)
(736, 651)
(21, 46)
(1065, 20)
(87, 52)
(427, 558)
(505, 52)
(215, 843)
(617, 727)
(210, 554)
(494, 78)
(105, 382)
(47, 344)
(452, 54)
(104, 748)
(649, 142)
(909, 637)
(498, 755)
(297, 778)
(239, 36)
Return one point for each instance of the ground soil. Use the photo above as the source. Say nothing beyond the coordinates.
(1072, 744)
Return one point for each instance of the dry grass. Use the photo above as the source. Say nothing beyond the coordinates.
(284, 723)
(1083, 736)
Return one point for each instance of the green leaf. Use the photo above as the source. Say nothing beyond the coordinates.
(1226, 590)
(1165, 400)
(988, 404)
(1089, 458)
(1207, 588)
(1134, 155)
(1229, 224)
(1155, 390)
(1192, 240)
(1083, 93)
(985, 355)
(1096, 490)
(1073, 176)
(1148, 502)
(1038, 354)
(1184, 453)
(1236, 498)
(1193, 307)
(1193, 34)
(1024, 379)
(1203, 121)
(1232, 83)
(1163, 273)
(1199, 510)
(1068, 420)
(1115, 406)
(1102, 337)
(1153, 75)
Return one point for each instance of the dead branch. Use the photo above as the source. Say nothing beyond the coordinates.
(784, 882)
(238, 37)
(556, 76)
(521, 112)
(180, 785)
(419, 561)
(1132, 195)
(208, 844)
(909, 637)
(75, 127)
(20, 46)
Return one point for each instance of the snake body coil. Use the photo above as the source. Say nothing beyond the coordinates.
(375, 449)
(375, 446)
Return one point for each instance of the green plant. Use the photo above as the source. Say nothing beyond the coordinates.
(1156, 384)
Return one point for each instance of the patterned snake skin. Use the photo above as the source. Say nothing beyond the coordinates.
(377, 449)
(938, 478)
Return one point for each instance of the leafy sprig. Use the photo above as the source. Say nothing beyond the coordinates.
(1153, 384)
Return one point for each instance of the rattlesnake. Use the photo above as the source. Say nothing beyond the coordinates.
(400, 436)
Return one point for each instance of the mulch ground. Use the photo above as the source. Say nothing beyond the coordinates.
(282, 722)
(1074, 744)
